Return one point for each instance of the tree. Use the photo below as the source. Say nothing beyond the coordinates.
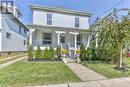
(38, 54)
(30, 52)
(113, 35)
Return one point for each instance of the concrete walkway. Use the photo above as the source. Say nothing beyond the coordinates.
(84, 73)
(12, 62)
(122, 82)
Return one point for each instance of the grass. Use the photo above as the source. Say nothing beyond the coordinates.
(36, 73)
(108, 69)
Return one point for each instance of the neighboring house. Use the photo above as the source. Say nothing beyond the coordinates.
(52, 26)
(13, 33)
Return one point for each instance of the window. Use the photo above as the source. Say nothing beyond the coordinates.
(20, 29)
(6, 7)
(79, 39)
(24, 42)
(24, 31)
(76, 22)
(8, 35)
(49, 19)
(62, 39)
(47, 38)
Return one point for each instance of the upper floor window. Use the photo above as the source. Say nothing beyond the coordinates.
(20, 29)
(49, 19)
(76, 22)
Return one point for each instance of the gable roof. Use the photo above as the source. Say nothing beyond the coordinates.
(60, 10)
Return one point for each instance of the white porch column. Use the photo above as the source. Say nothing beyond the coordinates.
(58, 36)
(75, 41)
(30, 36)
(58, 39)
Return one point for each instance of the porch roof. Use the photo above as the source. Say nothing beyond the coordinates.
(57, 28)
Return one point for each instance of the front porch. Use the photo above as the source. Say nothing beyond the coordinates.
(68, 39)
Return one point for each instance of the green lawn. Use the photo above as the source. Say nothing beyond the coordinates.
(25, 73)
(108, 69)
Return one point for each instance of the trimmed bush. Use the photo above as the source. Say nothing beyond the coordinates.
(51, 52)
(58, 52)
(30, 53)
(82, 53)
(46, 54)
(38, 54)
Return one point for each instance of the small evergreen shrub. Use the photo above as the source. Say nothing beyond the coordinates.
(58, 52)
(51, 52)
(82, 53)
(46, 54)
(30, 53)
(38, 54)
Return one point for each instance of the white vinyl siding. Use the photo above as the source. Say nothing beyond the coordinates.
(59, 20)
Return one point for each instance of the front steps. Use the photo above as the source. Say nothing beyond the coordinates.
(69, 60)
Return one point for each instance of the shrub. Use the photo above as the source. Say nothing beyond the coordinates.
(82, 53)
(63, 51)
(78, 51)
(38, 54)
(51, 53)
(30, 53)
(47, 54)
(88, 53)
(58, 52)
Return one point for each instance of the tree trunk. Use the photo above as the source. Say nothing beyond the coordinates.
(121, 59)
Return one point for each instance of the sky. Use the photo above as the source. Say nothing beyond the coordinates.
(96, 7)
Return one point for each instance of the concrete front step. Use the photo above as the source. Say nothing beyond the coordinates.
(69, 60)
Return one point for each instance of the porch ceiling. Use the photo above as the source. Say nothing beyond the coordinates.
(57, 28)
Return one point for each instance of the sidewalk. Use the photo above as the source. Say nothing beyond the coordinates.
(122, 82)
(84, 73)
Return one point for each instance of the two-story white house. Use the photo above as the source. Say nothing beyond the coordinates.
(52, 26)
(13, 33)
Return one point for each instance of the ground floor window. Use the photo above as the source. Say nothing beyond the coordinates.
(62, 39)
(47, 38)
(79, 39)
(24, 42)
(8, 35)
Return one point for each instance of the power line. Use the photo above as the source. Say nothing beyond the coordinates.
(108, 9)
(111, 8)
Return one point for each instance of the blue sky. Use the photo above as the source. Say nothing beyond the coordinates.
(96, 7)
